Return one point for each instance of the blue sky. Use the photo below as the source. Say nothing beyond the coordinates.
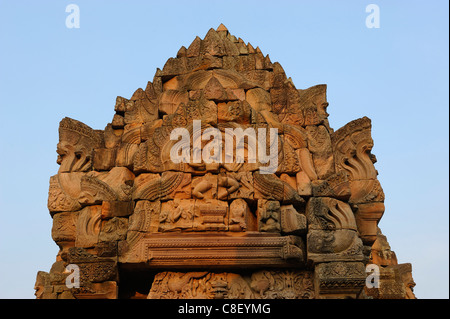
(397, 75)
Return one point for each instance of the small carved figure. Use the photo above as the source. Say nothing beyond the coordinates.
(270, 217)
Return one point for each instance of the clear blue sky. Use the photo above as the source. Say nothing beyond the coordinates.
(397, 75)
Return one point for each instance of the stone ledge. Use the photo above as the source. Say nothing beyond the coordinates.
(248, 250)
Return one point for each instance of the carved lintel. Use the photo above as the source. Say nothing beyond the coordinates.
(217, 250)
(261, 284)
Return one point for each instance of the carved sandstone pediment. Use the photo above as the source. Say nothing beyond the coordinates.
(219, 179)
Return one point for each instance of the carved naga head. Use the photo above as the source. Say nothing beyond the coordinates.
(314, 102)
(352, 146)
(77, 142)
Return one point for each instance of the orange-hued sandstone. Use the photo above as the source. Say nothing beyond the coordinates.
(139, 225)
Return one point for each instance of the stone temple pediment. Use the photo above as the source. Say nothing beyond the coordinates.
(219, 179)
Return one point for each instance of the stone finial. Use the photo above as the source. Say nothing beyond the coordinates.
(221, 28)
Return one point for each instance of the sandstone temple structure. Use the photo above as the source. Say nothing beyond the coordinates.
(130, 222)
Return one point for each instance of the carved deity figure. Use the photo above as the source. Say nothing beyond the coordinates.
(270, 217)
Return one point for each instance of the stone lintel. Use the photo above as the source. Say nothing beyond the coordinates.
(216, 250)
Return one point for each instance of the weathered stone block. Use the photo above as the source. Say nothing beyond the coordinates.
(104, 159)
(292, 222)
